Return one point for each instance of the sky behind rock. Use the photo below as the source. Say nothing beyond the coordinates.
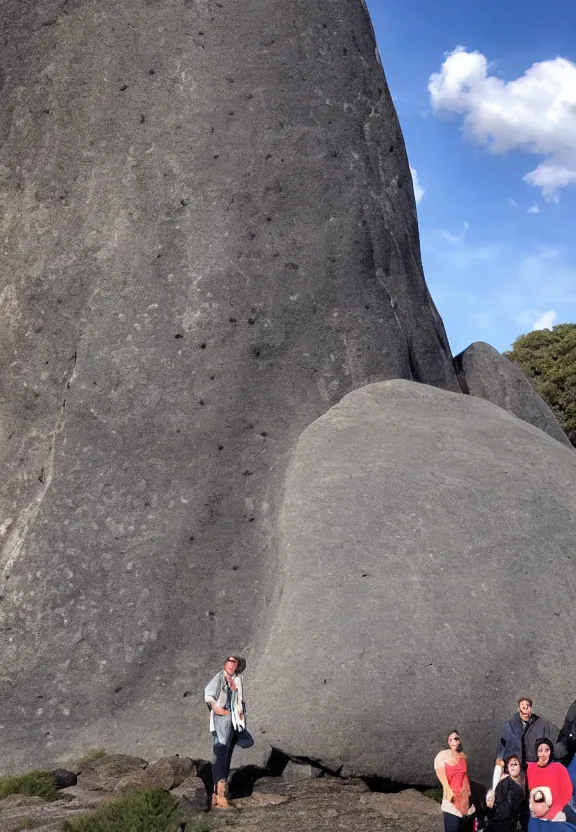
(486, 94)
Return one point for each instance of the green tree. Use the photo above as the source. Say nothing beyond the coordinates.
(548, 358)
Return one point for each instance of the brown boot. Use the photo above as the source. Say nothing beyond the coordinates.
(219, 797)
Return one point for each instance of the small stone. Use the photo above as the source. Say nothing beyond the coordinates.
(300, 771)
(259, 799)
(192, 794)
(159, 775)
(64, 778)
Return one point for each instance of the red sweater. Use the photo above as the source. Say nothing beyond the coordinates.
(555, 776)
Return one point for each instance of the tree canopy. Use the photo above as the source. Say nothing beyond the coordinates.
(548, 358)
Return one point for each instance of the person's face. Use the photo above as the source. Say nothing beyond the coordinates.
(453, 741)
(230, 666)
(525, 709)
(514, 767)
(543, 754)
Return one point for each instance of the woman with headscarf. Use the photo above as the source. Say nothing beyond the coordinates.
(550, 789)
(506, 801)
(452, 771)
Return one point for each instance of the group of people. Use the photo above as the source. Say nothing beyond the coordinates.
(534, 779)
(530, 786)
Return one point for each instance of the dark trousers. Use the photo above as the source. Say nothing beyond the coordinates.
(224, 742)
(452, 823)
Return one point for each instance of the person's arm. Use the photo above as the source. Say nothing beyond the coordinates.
(440, 771)
(508, 744)
(561, 791)
(501, 751)
(212, 690)
(497, 775)
(211, 693)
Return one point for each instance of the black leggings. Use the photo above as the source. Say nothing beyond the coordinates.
(453, 823)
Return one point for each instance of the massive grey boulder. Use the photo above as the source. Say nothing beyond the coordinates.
(425, 579)
(208, 237)
(482, 371)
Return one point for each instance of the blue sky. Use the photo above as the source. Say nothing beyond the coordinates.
(493, 143)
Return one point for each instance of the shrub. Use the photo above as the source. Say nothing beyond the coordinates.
(33, 783)
(434, 794)
(149, 810)
(90, 756)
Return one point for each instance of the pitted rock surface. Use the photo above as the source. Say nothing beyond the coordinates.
(425, 542)
(482, 371)
(209, 237)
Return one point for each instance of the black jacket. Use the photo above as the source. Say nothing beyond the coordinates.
(567, 735)
(509, 800)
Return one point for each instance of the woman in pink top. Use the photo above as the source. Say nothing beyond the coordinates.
(452, 771)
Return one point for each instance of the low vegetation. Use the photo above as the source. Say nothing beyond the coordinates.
(90, 756)
(149, 810)
(33, 783)
(434, 794)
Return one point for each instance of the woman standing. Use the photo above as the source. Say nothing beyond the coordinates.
(225, 698)
(452, 771)
(506, 802)
(550, 788)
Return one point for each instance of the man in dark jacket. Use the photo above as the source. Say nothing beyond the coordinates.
(518, 736)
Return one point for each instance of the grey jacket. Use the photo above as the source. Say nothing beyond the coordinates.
(215, 690)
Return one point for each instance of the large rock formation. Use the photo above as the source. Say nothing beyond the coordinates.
(208, 237)
(425, 579)
(482, 371)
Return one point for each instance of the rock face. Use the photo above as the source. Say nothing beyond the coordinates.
(425, 579)
(209, 236)
(484, 372)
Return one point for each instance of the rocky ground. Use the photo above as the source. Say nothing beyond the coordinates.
(298, 801)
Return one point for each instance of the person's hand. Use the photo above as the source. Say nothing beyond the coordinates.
(490, 798)
(219, 710)
(449, 794)
(241, 714)
(539, 810)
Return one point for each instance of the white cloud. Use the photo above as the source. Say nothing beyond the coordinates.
(533, 209)
(535, 113)
(513, 203)
(545, 321)
(494, 291)
(456, 238)
(418, 189)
